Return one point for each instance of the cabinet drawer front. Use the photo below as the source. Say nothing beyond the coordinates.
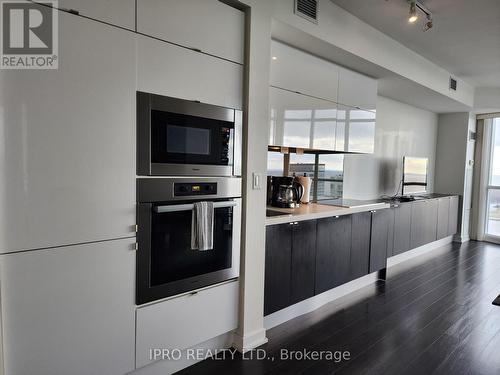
(357, 90)
(301, 121)
(299, 71)
(183, 322)
(165, 69)
(207, 25)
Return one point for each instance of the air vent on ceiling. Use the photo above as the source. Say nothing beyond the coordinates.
(307, 9)
(453, 84)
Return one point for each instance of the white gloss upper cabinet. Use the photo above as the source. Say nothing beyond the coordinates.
(301, 121)
(116, 12)
(166, 69)
(208, 25)
(69, 310)
(296, 70)
(357, 90)
(355, 130)
(67, 137)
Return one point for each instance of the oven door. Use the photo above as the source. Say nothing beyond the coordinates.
(166, 264)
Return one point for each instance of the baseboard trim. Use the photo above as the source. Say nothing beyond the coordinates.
(396, 259)
(322, 299)
(313, 303)
(251, 341)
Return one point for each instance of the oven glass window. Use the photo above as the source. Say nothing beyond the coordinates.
(172, 258)
(187, 140)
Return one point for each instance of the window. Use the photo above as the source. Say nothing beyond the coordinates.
(493, 189)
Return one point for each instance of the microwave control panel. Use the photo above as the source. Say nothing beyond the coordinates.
(189, 189)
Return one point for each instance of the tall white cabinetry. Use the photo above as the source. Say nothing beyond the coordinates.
(209, 26)
(116, 12)
(69, 310)
(68, 142)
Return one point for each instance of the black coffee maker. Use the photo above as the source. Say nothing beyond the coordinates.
(283, 192)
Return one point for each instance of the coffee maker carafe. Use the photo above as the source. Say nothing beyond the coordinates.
(285, 192)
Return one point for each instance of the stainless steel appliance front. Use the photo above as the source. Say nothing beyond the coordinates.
(178, 137)
(166, 264)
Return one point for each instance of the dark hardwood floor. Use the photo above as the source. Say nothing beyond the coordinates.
(433, 315)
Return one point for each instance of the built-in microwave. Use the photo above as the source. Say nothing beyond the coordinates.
(177, 137)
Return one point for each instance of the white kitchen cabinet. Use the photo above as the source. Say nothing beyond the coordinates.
(67, 164)
(357, 90)
(116, 12)
(69, 310)
(355, 130)
(296, 70)
(301, 121)
(208, 25)
(165, 69)
(182, 322)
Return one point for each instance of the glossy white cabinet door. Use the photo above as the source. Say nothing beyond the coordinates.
(67, 165)
(301, 121)
(182, 322)
(115, 12)
(357, 90)
(208, 25)
(165, 69)
(296, 70)
(69, 310)
(355, 130)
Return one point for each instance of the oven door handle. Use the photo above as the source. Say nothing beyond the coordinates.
(189, 207)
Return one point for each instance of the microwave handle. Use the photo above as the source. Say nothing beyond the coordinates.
(189, 207)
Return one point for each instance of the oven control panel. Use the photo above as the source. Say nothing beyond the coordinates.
(188, 189)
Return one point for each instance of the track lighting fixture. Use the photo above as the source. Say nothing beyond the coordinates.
(413, 12)
(415, 7)
(428, 22)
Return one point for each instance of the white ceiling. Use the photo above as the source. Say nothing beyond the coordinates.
(465, 39)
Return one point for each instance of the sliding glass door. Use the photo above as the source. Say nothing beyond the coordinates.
(492, 209)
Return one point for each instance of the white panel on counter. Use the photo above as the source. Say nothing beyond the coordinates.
(68, 142)
(69, 310)
(165, 69)
(208, 25)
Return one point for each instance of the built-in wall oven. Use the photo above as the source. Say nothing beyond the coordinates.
(166, 263)
(177, 137)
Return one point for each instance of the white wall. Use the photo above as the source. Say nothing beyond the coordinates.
(401, 130)
(454, 174)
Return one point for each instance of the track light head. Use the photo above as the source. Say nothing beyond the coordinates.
(428, 23)
(413, 12)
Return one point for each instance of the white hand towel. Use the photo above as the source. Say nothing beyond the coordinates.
(202, 226)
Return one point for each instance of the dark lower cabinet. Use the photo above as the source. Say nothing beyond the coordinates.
(402, 224)
(453, 216)
(379, 239)
(278, 267)
(390, 233)
(360, 245)
(423, 222)
(303, 260)
(443, 215)
(333, 247)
